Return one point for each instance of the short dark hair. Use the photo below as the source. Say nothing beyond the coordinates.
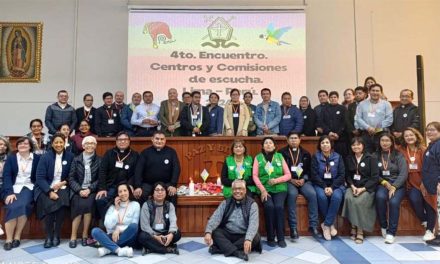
(408, 90)
(158, 132)
(36, 120)
(195, 92)
(234, 90)
(146, 92)
(360, 88)
(61, 126)
(293, 133)
(377, 85)
(322, 138)
(159, 183)
(359, 140)
(333, 93)
(62, 91)
(185, 93)
(86, 95)
(123, 132)
(322, 91)
(285, 93)
(215, 94)
(248, 93)
(106, 94)
(23, 139)
(268, 138)
(265, 89)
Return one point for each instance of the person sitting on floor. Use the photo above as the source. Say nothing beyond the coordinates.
(159, 232)
(233, 228)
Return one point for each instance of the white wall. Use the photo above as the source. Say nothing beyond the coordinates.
(85, 48)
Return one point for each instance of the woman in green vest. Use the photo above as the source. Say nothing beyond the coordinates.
(238, 165)
(270, 174)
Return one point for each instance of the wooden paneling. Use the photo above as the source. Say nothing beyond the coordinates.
(196, 154)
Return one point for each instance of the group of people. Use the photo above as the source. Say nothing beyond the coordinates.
(369, 157)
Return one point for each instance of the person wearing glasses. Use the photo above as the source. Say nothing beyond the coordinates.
(117, 165)
(159, 231)
(157, 163)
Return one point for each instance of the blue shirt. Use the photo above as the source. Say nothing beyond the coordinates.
(291, 120)
(271, 118)
(143, 111)
(379, 115)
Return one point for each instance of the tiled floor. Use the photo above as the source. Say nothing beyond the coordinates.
(192, 250)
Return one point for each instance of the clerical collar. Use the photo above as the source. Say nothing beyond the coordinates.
(158, 149)
(107, 106)
(87, 108)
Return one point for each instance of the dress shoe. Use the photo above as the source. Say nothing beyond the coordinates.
(434, 242)
(173, 249)
(214, 250)
(15, 243)
(259, 248)
(241, 255)
(72, 243)
(282, 244)
(48, 243)
(7, 246)
(271, 243)
(294, 234)
(315, 233)
(84, 242)
(56, 242)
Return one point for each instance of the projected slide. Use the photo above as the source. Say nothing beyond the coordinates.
(216, 52)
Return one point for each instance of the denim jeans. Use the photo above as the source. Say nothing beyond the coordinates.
(274, 215)
(126, 238)
(329, 205)
(382, 204)
(309, 193)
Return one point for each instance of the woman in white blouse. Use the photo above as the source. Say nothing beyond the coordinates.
(17, 193)
(51, 192)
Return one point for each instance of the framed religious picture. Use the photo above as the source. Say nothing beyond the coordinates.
(20, 51)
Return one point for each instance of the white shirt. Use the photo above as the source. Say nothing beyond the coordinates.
(24, 173)
(145, 111)
(58, 169)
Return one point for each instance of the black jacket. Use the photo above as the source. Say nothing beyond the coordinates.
(110, 175)
(80, 116)
(185, 121)
(333, 120)
(102, 127)
(77, 171)
(405, 116)
(304, 158)
(367, 169)
(349, 117)
(309, 127)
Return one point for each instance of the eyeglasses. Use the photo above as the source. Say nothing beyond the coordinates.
(159, 190)
(123, 139)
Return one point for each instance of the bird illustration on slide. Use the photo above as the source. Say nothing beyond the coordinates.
(274, 35)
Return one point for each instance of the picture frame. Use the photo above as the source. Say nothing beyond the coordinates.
(20, 52)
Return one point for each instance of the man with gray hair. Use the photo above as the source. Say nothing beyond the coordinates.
(233, 228)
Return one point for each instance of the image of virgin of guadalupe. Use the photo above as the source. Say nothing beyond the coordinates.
(18, 54)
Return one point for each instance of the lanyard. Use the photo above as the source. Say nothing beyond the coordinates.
(412, 159)
(192, 109)
(327, 165)
(385, 163)
(357, 163)
(86, 114)
(235, 109)
(119, 159)
(284, 110)
(110, 115)
(38, 142)
(120, 220)
(291, 156)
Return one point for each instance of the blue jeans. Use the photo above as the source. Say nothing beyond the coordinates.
(126, 238)
(274, 215)
(103, 203)
(309, 193)
(329, 205)
(382, 202)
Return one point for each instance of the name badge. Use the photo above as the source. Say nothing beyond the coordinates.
(119, 164)
(213, 114)
(87, 167)
(386, 173)
(293, 168)
(158, 226)
(371, 115)
(115, 115)
(357, 177)
(413, 166)
(194, 116)
(327, 175)
(111, 121)
(286, 116)
(235, 115)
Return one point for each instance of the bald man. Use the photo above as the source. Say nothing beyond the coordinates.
(169, 114)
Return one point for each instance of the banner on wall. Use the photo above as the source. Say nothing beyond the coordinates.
(212, 51)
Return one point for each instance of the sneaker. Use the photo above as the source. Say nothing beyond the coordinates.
(384, 232)
(1, 231)
(389, 239)
(102, 251)
(333, 231)
(326, 232)
(125, 252)
(428, 236)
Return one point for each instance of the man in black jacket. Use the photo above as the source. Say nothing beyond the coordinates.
(298, 161)
(405, 115)
(108, 119)
(360, 93)
(118, 165)
(87, 112)
(194, 119)
(158, 163)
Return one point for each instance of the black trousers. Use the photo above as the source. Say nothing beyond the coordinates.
(145, 132)
(148, 241)
(147, 191)
(228, 242)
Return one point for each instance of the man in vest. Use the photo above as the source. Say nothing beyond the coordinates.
(233, 228)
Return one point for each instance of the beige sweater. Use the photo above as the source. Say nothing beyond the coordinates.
(244, 118)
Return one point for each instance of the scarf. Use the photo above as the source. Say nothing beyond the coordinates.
(87, 159)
